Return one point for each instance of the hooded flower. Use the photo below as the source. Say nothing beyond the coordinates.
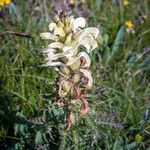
(71, 48)
(68, 52)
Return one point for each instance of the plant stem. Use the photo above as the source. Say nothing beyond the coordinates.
(75, 140)
(63, 141)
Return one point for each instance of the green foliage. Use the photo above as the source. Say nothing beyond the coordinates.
(119, 100)
(118, 40)
(120, 146)
(39, 138)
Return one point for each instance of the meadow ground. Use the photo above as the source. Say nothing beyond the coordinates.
(119, 116)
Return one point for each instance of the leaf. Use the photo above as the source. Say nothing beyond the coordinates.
(118, 144)
(13, 12)
(39, 138)
(132, 59)
(131, 146)
(118, 40)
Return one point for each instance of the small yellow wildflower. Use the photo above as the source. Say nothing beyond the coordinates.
(1, 2)
(125, 2)
(7, 2)
(138, 138)
(129, 24)
(71, 2)
(4, 2)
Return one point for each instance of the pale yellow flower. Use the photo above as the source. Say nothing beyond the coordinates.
(49, 36)
(59, 31)
(72, 2)
(125, 2)
(76, 38)
(68, 53)
(52, 26)
(79, 22)
(2, 2)
(7, 2)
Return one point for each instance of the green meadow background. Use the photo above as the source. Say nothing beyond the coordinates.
(119, 116)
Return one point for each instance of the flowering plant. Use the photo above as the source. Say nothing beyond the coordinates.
(68, 53)
(4, 2)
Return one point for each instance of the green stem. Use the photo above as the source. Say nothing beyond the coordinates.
(121, 11)
(63, 141)
(75, 140)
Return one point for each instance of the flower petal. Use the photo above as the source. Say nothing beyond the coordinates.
(68, 39)
(72, 60)
(53, 64)
(69, 51)
(87, 75)
(94, 32)
(52, 26)
(54, 56)
(61, 93)
(78, 22)
(48, 50)
(59, 31)
(49, 36)
(86, 61)
(56, 45)
(85, 107)
(86, 42)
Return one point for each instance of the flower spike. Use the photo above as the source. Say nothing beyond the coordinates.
(68, 36)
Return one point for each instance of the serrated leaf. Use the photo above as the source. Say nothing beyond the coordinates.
(39, 138)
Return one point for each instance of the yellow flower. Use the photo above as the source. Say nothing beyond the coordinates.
(7, 2)
(4, 2)
(138, 138)
(125, 2)
(71, 2)
(129, 27)
(1, 2)
(129, 24)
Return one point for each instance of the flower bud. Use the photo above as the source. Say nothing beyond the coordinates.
(72, 92)
(56, 18)
(60, 24)
(76, 78)
(52, 26)
(67, 21)
(75, 66)
(59, 31)
(68, 39)
(66, 85)
(65, 70)
(100, 39)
